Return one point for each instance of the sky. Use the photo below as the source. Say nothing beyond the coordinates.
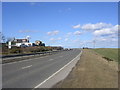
(66, 24)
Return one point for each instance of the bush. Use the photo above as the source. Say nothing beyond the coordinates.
(15, 50)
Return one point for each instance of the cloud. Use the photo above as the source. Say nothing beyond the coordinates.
(106, 31)
(77, 33)
(66, 39)
(52, 39)
(96, 26)
(53, 32)
(76, 40)
(76, 26)
(27, 31)
(68, 34)
(55, 39)
(59, 38)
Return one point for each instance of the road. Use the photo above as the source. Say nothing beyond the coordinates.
(30, 73)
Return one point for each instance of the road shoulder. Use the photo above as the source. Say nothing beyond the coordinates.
(91, 71)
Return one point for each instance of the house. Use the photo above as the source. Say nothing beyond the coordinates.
(24, 43)
(20, 42)
(39, 43)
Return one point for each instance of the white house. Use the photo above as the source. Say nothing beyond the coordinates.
(19, 42)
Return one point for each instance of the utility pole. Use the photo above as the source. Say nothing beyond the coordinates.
(94, 42)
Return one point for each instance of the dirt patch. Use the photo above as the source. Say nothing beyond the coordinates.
(91, 71)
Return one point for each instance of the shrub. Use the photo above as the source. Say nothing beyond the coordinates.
(15, 50)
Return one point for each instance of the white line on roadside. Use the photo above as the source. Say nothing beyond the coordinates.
(27, 67)
(56, 72)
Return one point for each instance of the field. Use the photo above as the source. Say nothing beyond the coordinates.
(111, 53)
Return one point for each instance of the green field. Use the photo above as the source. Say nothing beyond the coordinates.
(111, 53)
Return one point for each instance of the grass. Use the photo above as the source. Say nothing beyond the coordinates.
(111, 53)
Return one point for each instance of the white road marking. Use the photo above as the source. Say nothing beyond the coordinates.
(22, 61)
(51, 59)
(56, 72)
(27, 67)
(61, 56)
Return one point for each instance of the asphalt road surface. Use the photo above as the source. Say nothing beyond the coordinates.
(30, 73)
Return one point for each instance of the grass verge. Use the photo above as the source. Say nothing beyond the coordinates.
(108, 53)
(91, 71)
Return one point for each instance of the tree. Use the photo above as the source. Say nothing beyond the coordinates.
(10, 39)
(2, 38)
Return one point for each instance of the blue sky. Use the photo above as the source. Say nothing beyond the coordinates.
(67, 24)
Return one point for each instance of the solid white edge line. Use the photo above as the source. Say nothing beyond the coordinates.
(56, 72)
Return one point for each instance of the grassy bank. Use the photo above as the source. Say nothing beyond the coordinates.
(111, 53)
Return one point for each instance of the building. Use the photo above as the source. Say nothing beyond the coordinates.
(21, 40)
(24, 43)
(19, 43)
(38, 43)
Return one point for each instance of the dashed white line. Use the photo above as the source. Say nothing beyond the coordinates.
(60, 56)
(27, 67)
(51, 59)
(22, 61)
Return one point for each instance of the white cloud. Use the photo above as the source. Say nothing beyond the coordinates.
(52, 39)
(66, 39)
(59, 38)
(96, 26)
(106, 31)
(77, 33)
(55, 39)
(53, 32)
(76, 26)
(27, 31)
(76, 40)
(68, 34)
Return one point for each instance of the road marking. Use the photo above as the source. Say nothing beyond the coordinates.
(56, 72)
(51, 59)
(61, 56)
(22, 61)
(27, 67)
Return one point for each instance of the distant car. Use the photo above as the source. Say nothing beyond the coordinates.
(67, 49)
